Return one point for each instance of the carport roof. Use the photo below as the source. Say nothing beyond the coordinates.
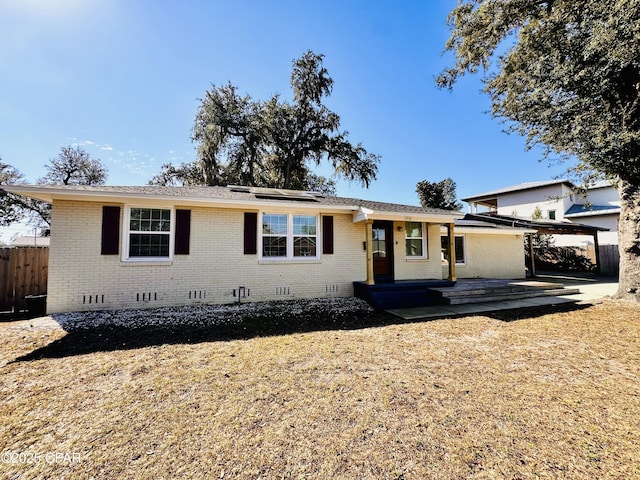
(542, 226)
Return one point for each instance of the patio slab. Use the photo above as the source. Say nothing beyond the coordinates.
(442, 311)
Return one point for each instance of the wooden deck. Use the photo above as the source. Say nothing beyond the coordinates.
(421, 293)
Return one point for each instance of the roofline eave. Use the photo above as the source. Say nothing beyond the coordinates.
(364, 214)
(51, 194)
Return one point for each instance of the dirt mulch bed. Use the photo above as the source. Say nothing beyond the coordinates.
(321, 394)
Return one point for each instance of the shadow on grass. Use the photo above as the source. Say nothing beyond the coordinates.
(112, 338)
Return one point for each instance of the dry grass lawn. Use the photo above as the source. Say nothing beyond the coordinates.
(551, 395)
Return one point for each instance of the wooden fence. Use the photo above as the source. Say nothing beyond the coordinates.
(609, 259)
(579, 259)
(23, 271)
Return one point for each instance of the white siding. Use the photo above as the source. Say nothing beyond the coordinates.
(523, 203)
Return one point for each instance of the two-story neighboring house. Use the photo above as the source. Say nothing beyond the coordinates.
(557, 200)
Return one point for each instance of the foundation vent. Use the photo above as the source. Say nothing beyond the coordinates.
(331, 288)
(241, 292)
(146, 296)
(197, 294)
(91, 299)
(283, 291)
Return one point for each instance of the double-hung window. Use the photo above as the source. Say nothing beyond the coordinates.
(414, 240)
(149, 233)
(304, 235)
(289, 235)
(274, 235)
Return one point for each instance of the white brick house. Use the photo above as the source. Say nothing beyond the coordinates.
(131, 247)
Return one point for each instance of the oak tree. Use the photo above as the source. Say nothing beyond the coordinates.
(564, 74)
(438, 194)
(274, 143)
(72, 166)
(10, 204)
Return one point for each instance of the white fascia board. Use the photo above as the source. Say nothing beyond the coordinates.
(367, 214)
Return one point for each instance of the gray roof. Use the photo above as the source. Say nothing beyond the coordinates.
(602, 184)
(234, 194)
(517, 188)
(533, 185)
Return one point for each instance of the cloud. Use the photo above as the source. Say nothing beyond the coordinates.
(123, 163)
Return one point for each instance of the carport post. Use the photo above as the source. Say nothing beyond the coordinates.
(596, 245)
(452, 252)
(532, 256)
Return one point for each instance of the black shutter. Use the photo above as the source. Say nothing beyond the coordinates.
(250, 233)
(327, 234)
(183, 232)
(110, 230)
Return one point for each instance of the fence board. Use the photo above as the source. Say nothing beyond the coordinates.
(609, 259)
(23, 271)
(6, 285)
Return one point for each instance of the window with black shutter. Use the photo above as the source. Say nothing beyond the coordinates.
(110, 230)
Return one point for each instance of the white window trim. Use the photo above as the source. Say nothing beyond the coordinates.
(464, 249)
(425, 242)
(126, 234)
(290, 258)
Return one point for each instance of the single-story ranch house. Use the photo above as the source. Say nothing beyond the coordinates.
(149, 246)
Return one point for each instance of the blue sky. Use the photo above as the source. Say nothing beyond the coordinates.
(122, 79)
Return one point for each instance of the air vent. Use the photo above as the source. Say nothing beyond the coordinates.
(197, 294)
(283, 291)
(331, 288)
(89, 299)
(146, 296)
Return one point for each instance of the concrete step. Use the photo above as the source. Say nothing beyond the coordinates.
(497, 288)
(507, 295)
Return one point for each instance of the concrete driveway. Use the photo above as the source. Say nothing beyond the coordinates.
(592, 287)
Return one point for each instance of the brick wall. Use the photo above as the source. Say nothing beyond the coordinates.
(491, 256)
(83, 279)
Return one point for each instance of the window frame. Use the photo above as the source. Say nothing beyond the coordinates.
(551, 214)
(290, 236)
(463, 250)
(127, 232)
(424, 240)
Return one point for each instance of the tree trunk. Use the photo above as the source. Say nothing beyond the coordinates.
(629, 241)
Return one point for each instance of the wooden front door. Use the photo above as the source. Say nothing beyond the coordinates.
(382, 243)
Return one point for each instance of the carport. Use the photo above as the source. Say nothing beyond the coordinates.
(547, 227)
